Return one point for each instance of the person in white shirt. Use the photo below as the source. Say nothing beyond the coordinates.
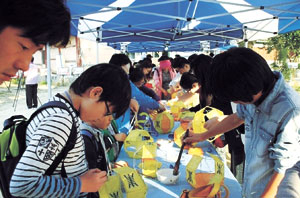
(181, 65)
(32, 79)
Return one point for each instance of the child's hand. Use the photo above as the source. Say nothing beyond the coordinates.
(92, 180)
(134, 105)
(161, 108)
(120, 137)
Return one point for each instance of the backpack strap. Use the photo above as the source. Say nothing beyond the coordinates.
(114, 126)
(88, 134)
(71, 139)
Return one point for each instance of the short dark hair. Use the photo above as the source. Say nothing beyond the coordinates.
(40, 20)
(192, 57)
(145, 64)
(240, 73)
(113, 80)
(179, 62)
(187, 80)
(119, 60)
(136, 74)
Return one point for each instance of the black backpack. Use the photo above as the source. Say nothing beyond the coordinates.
(13, 145)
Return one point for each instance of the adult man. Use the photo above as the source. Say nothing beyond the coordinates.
(31, 81)
(270, 110)
(25, 27)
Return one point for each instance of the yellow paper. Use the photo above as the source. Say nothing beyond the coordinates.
(111, 188)
(133, 183)
(191, 170)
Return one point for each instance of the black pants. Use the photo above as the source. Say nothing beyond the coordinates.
(31, 95)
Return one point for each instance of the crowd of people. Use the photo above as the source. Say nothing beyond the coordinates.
(101, 99)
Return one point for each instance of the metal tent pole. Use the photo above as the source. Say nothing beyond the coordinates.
(49, 71)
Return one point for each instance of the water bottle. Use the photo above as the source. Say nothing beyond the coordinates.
(147, 125)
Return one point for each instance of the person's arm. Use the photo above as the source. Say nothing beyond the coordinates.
(29, 179)
(134, 105)
(144, 101)
(285, 150)
(230, 122)
(272, 187)
(46, 141)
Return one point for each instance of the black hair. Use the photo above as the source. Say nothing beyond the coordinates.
(187, 80)
(201, 68)
(240, 73)
(40, 20)
(113, 80)
(32, 59)
(180, 62)
(119, 60)
(149, 60)
(136, 74)
(164, 57)
(192, 57)
(145, 64)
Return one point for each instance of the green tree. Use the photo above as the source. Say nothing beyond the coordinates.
(287, 47)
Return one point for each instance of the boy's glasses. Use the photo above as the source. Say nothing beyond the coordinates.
(108, 113)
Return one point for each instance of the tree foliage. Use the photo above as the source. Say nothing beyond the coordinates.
(287, 47)
(289, 42)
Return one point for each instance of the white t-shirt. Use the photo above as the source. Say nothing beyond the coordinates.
(175, 80)
(32, 75)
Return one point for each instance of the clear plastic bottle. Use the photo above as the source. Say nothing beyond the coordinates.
(147, 125)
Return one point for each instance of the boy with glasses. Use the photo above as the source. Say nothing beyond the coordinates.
(95, 96)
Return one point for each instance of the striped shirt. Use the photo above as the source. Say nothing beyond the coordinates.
(46, 135)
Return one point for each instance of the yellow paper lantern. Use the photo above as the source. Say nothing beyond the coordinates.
(204, 115)
(164, 122)
(133, 183)
(178, 133)
(209, 183)
(176, 109)
(135, 143)
(149, 167)
(112, 187)
(186, 117)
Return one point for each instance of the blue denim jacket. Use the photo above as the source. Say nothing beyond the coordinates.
(265, 151)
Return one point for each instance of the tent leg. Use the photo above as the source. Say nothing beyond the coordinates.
(49, 71)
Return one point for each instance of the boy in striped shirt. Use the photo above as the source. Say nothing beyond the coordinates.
(98, 94)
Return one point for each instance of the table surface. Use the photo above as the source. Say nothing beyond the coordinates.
(167, 154)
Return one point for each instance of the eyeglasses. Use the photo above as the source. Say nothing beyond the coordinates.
(108, 113)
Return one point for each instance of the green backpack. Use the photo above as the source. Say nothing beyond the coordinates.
(13, 145)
